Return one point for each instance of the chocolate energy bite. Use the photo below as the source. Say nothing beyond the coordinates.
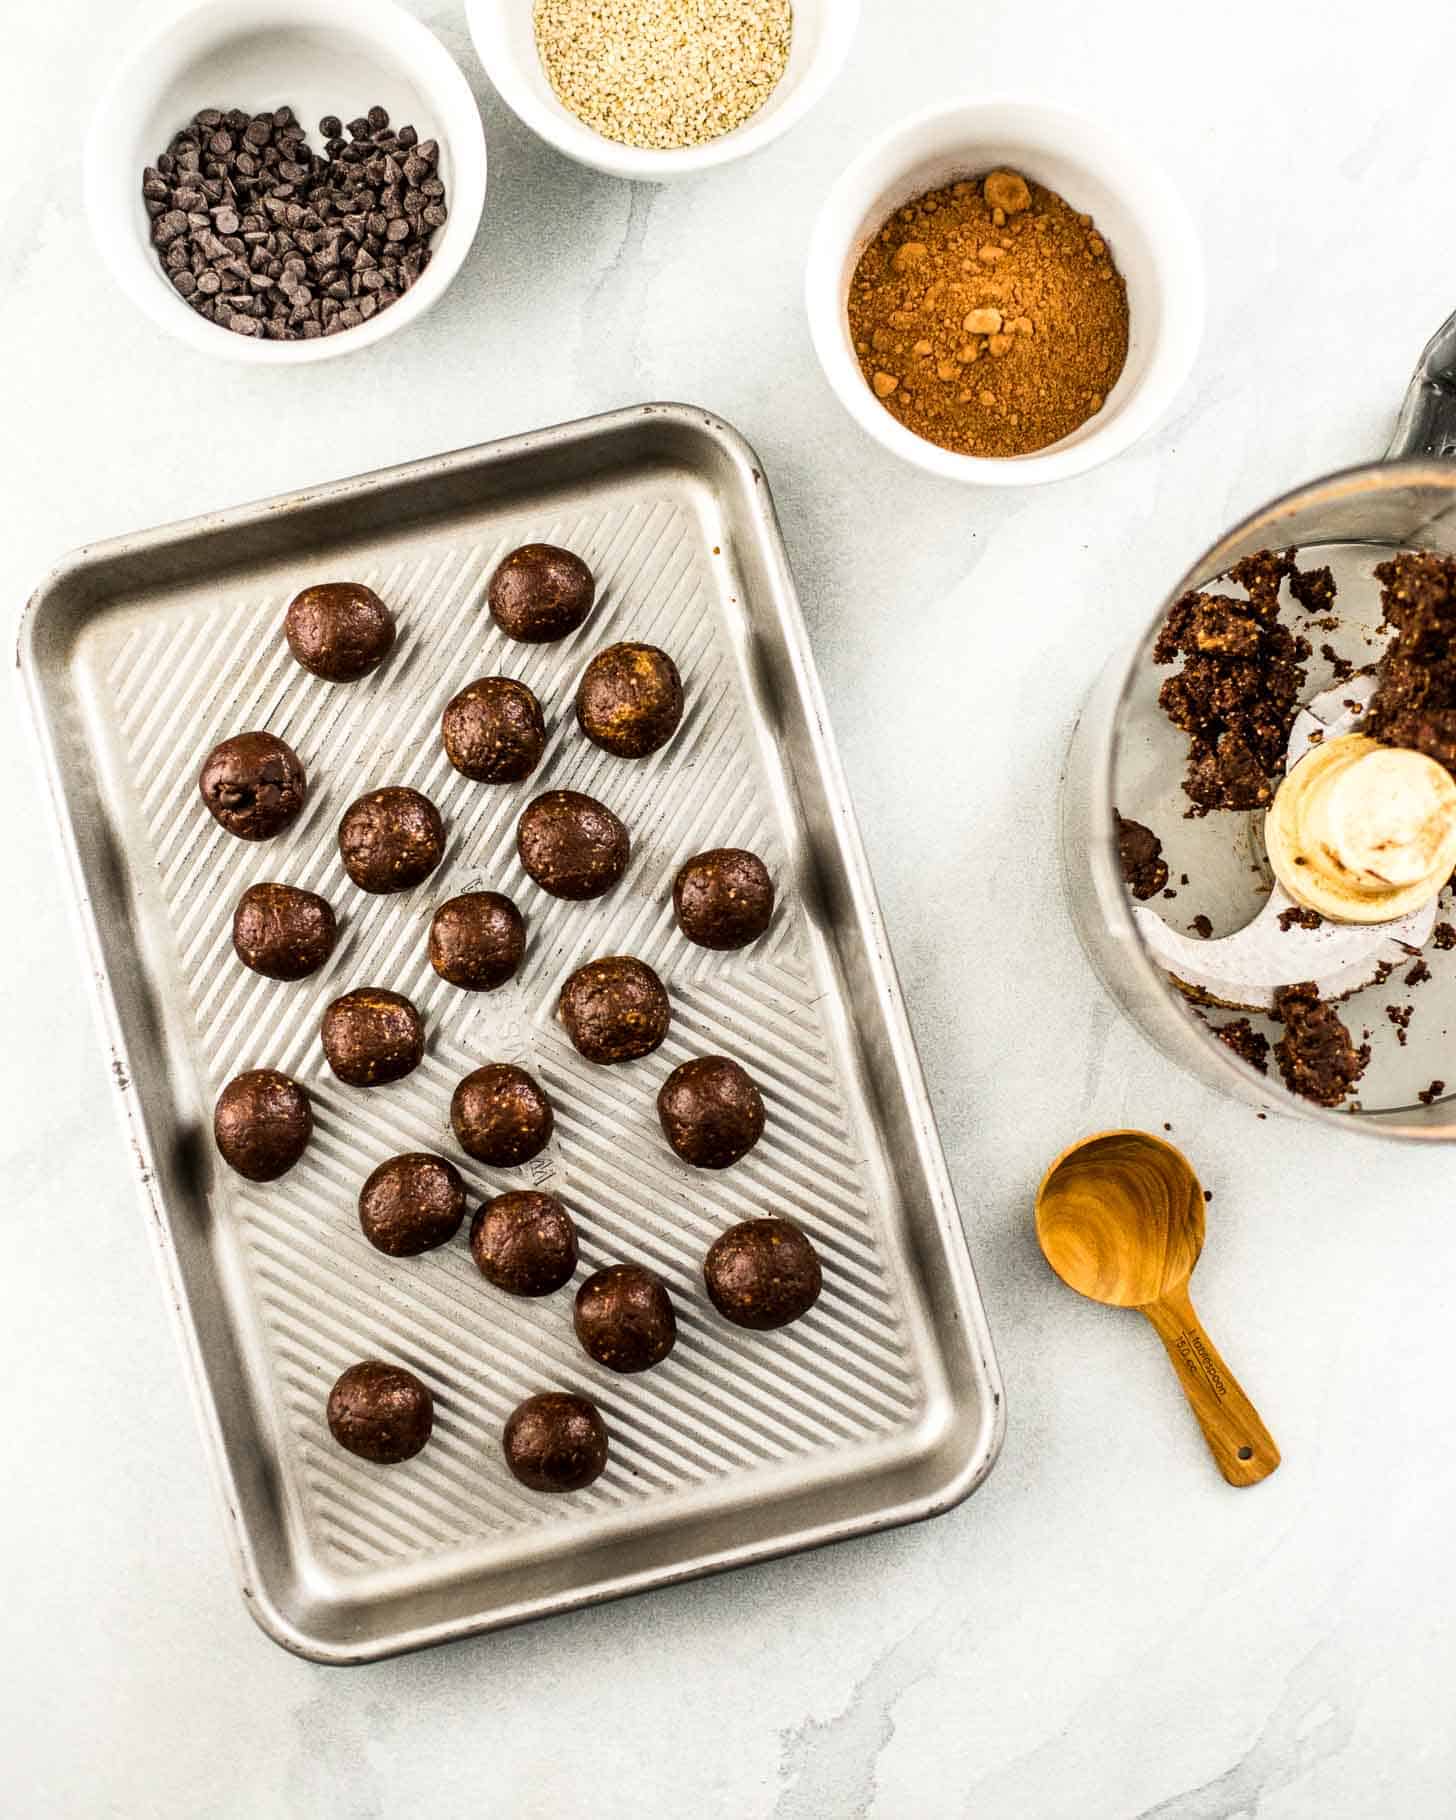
(381, 1413)
(372, 1037)
(262, 1123)
(624, 1318)
(724, 898)
(763, 1274)
(711, 1112)
(540, 593)
(282, 932)
(524, 1243)
(572, 845)
(555, 1442)
(339, 630)
(494, 731)
(615, 1009)
(501, 1116)
(477, 940)
(630, 700)
(254, 785)
(411, 1204)
(391, 839)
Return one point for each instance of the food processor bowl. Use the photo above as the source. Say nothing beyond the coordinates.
(1126, 758)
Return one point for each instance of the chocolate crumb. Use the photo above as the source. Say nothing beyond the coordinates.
(1444, 935)
(1238, 691)
(1261, 573)
(1418, 974)
(1202, 926)
(1249, 1044)
(1170, 892)
(1298, 916)
(1400, 1016)
(1414, 703)
(1341, 666)
(1428, 1095)
(1316, 1057)
(1314, 589)
(1144, 870)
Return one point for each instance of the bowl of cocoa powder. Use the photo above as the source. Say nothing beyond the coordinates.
(1004, 293)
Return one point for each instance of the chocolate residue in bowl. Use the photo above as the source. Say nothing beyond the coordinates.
(1239, 689)
(1314, 589)
(1144, 870)
(1249, 1044)
(1341, 668)
(1316, 1055)
(1414, 703)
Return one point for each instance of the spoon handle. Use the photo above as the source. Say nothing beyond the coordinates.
(1242, 1446)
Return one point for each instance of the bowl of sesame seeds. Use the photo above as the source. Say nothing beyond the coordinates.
(656, 89)
(218, 111)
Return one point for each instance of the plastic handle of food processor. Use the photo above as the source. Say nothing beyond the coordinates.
(1427, 422)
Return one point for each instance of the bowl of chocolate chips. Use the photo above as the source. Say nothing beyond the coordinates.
(277, 181)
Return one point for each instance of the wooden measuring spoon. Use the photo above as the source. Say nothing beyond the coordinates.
(1120, 1219)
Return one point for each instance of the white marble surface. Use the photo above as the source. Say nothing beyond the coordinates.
(1105, 1631)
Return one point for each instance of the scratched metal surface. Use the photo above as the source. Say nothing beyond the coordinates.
(881, 1406)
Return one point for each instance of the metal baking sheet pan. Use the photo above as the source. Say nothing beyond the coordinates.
(882, 1406)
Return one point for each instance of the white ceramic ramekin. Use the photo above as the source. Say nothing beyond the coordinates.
(1136, 209)
(318, 57)
(505, 41)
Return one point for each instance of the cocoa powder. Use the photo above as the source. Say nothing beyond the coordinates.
(989, 317)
